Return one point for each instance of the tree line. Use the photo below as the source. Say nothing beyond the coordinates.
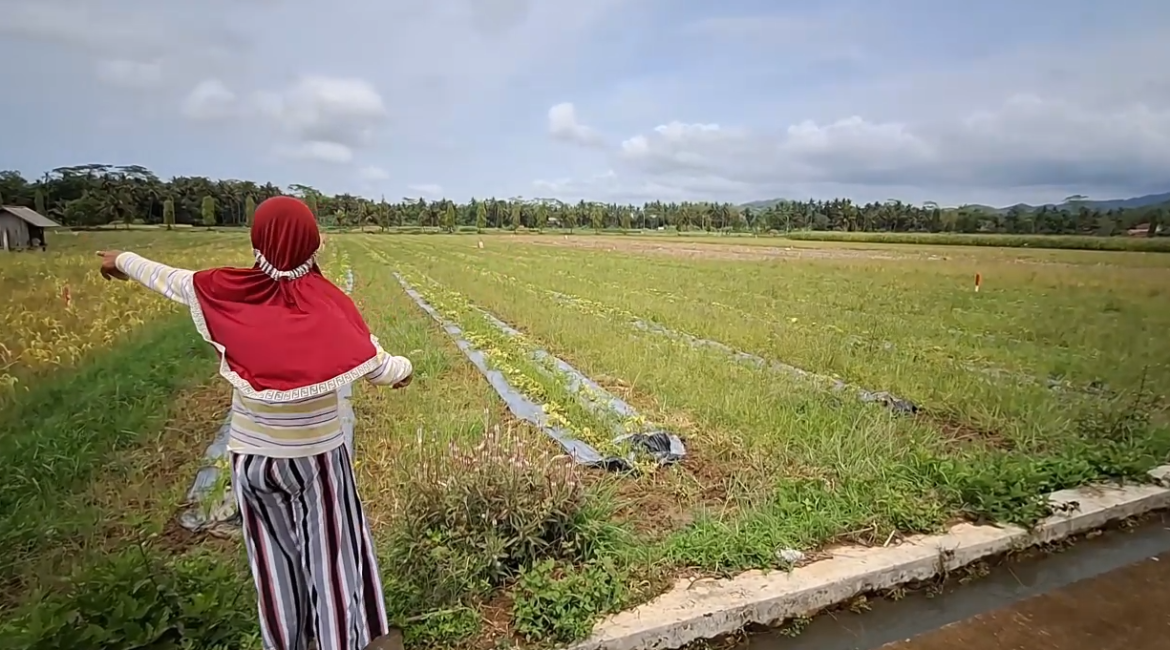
(98, 194)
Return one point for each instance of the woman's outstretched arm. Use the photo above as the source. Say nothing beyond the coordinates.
(168, 281)
(391, 371)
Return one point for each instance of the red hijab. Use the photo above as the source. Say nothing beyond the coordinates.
(284, 330)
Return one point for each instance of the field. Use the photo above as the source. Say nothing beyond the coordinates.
(1069, 242)
(788, 369)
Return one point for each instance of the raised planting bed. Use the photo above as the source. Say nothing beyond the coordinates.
(527, 379)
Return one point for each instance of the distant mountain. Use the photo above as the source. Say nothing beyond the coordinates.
(984, 208)
(1105, 204)
(764, 204)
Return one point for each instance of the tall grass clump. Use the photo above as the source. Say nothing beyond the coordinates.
(472, 521)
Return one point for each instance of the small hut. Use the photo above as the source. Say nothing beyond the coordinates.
(22, 228)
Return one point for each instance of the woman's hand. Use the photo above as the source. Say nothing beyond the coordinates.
(110, 270)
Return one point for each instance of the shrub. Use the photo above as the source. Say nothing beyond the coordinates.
(471, 520)
(138, 600)
(559, 603)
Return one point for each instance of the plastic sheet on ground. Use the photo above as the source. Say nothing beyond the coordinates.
(218, 514)
(525, 409)
(663, 446)
(208, 512)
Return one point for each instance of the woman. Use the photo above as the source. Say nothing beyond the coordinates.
(287, 340)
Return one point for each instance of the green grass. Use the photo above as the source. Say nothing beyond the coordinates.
(97, 462)
(778, 462)
(465, 502)
(1069, 242)
(1052, 376)
(100, 437)
(774, 238)
(60, 435)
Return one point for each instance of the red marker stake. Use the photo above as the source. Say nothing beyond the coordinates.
(978, 281)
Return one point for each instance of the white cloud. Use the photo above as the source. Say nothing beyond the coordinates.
(853, 137)
(210, 99)
(373, 173)
(337, 107)
(687, 146)
(318, 151)
(428, 189)
(317, 118)
(610, 186)
(327, 117)
(77, 25)
(1041, 140)
(125, 30)
(563, 125)
(129, 74)
(995, 100)
(1022, 142)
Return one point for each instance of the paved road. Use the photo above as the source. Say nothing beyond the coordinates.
(1128, 608)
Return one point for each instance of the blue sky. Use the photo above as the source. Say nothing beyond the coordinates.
(617, 100)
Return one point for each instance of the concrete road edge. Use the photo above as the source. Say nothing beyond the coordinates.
(708, 608)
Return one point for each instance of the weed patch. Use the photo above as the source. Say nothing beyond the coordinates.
(137, 599)
(559, 603)
(60, 435)
(472, 520)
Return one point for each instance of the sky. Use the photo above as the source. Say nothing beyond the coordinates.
(992, 102)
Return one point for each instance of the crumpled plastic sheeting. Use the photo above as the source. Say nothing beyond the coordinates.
(222, 518)
(663, 446)
(896, 404)
(518, 403)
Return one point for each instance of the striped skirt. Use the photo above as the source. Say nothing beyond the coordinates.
(310, 550)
